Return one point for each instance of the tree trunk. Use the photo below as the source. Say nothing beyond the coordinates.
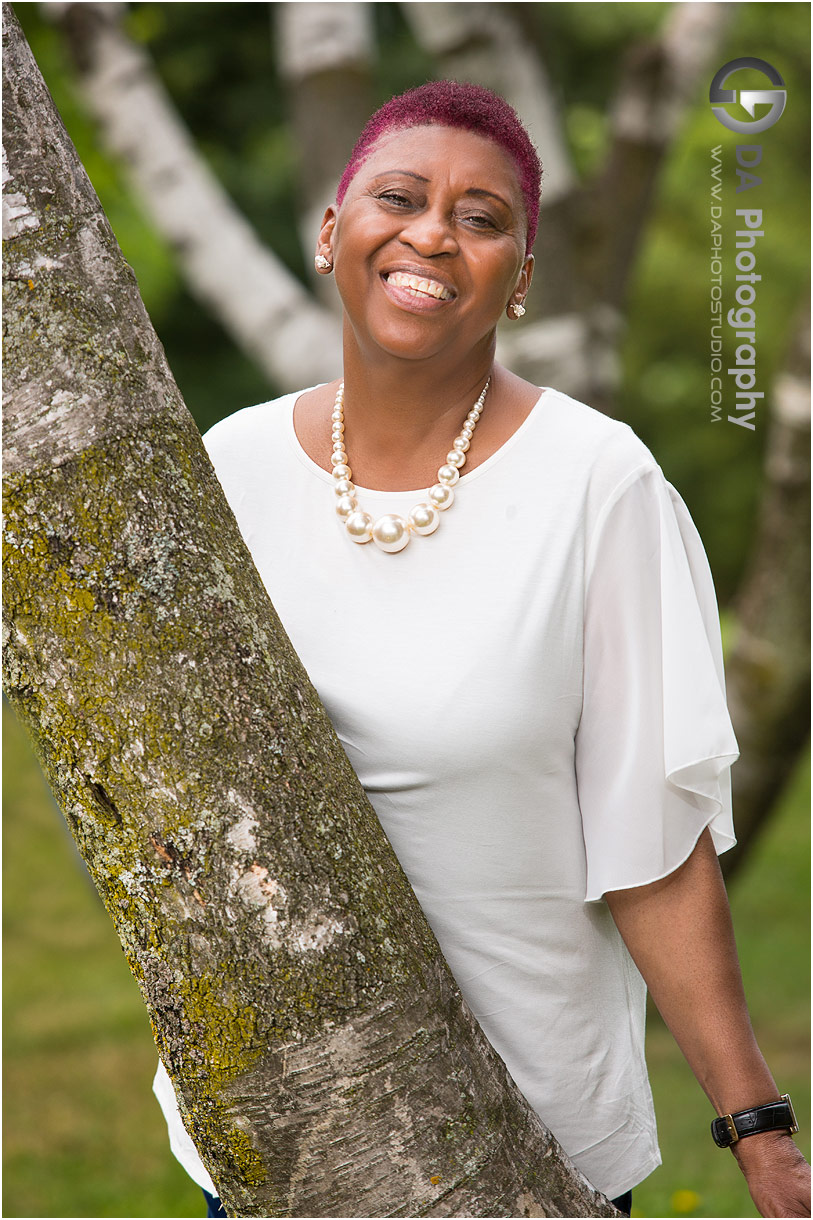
(324, 55)
(324, 1061)
(658, 81)
(769, 663)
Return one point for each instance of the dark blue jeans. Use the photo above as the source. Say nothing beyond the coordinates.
(215, 1207)
(623, 1203)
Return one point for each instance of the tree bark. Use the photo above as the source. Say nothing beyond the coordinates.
(269, 314)
(769, 664)
(324, 1061)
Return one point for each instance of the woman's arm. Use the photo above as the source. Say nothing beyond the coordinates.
(679, 933)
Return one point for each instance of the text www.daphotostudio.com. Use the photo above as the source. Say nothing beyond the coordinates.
(734, 305)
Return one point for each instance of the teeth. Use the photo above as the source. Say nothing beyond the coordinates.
(428, 287)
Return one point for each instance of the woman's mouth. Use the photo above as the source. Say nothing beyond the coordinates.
(418, 285)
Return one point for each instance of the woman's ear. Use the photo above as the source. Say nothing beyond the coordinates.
(525, 277)
(516, 303)
(324, 244)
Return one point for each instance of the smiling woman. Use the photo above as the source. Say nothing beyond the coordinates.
(426, 259)
(532, 692)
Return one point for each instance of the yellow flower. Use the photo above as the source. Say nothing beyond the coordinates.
(685, 1201)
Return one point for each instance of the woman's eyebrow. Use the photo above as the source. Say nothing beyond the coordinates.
(407, 172)
(474, 190)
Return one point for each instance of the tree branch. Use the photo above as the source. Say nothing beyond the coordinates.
(265, 309)
(562, 341)
(483, 43)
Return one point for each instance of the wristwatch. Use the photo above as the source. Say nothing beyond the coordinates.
(774, 1116)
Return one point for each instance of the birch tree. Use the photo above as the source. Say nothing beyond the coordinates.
(325, 53)
(769, 662)
(323, 1059)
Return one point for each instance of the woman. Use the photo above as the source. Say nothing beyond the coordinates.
(523, 661)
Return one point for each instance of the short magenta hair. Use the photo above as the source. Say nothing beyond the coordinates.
(448, 103)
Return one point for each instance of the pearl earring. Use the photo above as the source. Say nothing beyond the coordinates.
(322, 264)
(516, 309)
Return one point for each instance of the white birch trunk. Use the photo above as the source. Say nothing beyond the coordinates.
(325, 54)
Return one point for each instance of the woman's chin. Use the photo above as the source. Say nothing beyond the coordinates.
(405, 342)
(421, 337)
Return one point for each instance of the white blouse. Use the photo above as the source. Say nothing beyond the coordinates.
(533, 700)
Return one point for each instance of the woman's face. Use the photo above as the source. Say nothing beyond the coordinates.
(429, 244)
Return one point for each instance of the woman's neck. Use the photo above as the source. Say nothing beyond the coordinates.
(402, 417)
(396, 405)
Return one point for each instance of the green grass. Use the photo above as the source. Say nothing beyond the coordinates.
(84, 1136)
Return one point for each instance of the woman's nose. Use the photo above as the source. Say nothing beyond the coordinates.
(430, 232)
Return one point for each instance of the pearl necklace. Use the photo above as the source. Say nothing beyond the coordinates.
(392, 532)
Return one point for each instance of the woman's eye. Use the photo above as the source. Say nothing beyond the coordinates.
(480, 221)
(395, 197)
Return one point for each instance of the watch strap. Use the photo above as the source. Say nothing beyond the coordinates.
(773, 1116)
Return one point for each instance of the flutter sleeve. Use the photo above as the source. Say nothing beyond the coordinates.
(655, 742)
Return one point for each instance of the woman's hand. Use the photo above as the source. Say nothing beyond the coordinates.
(777, 1174)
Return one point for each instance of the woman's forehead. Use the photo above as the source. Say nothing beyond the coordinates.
(432, 149)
